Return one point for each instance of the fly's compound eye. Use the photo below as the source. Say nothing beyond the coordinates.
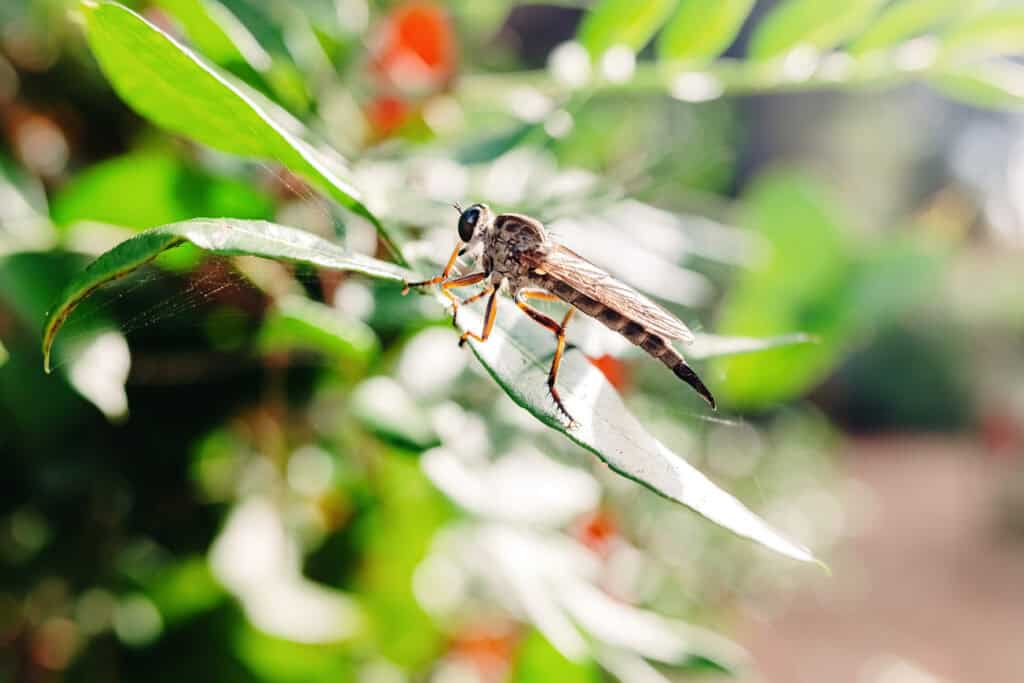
(467, 223)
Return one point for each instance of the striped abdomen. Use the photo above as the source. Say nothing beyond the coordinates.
(633, 330)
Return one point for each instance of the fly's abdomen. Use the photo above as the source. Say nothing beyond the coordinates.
(654, 344)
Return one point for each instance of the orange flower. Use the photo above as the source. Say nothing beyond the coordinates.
(414, 50)
(613, 369)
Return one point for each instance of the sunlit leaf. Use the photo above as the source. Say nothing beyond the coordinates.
(802, 284)
(554, 581)
(512, 357)
(517, 357)
(299, 323)
(146, 190)
(701, 30)
(994, 85)
(222, 37)
(903, 20)
(993, 32)
(822, 25)
(176, 90)
(217, 33)
(539, 662)
(622, 22)
(224, 236)
(398, 534)
(523, 487)
(23, 213)
(383, 406)
(716, 345)
(4, 355)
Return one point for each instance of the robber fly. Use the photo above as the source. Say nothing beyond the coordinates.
(514, 251)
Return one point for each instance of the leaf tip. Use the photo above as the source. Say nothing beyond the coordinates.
(47, 347)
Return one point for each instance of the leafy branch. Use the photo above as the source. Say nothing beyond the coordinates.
(800, 45)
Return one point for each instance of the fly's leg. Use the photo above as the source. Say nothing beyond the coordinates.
(464, 281)
(489, 316)
(406, 286)
(558, 329)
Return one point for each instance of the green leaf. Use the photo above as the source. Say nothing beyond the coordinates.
(701, 30)
(992, 85)
(23, 222)
(384, 407)
(176, 90)
(539, 662)
(517, 356)
(904, 20)
(217, 33)
(222, 37)
(398, 533)
(276, 660)
(219, 236)
(803, 284)
(3, 354)
(184, 589)
(622, 22)
(296, 322)
(994, 32)
(512, 357)
(145, 190)
(822, 25)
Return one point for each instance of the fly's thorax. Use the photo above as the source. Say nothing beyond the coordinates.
(507, 239)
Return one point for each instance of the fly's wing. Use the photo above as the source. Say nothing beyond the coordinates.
(568, 267)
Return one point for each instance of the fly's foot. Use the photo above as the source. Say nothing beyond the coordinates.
(571, 423)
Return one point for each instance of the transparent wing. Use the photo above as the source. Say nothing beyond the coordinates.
(568, 267)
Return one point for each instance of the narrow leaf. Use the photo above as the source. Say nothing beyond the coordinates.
(904, 20)
(512, 356)
(223, 236)
(517, 356)
(144, 190)
(714, 346)
(176, 90)
(995, 32)
(217, 33)
(538, 662)
(296, 322)
(822, 25)
(622, 22)
(991, 85)
(701, 30)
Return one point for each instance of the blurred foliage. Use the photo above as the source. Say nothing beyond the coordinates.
(256, 460)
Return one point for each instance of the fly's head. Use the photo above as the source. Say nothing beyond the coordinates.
(474, 223)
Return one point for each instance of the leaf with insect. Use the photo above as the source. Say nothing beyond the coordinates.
(514, 357)
(178, 90)
(219, 236)
(511, 356)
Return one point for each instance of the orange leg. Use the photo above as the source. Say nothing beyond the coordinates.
(559, 330)
(435, 280)
(489, 317)
(464, 281)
